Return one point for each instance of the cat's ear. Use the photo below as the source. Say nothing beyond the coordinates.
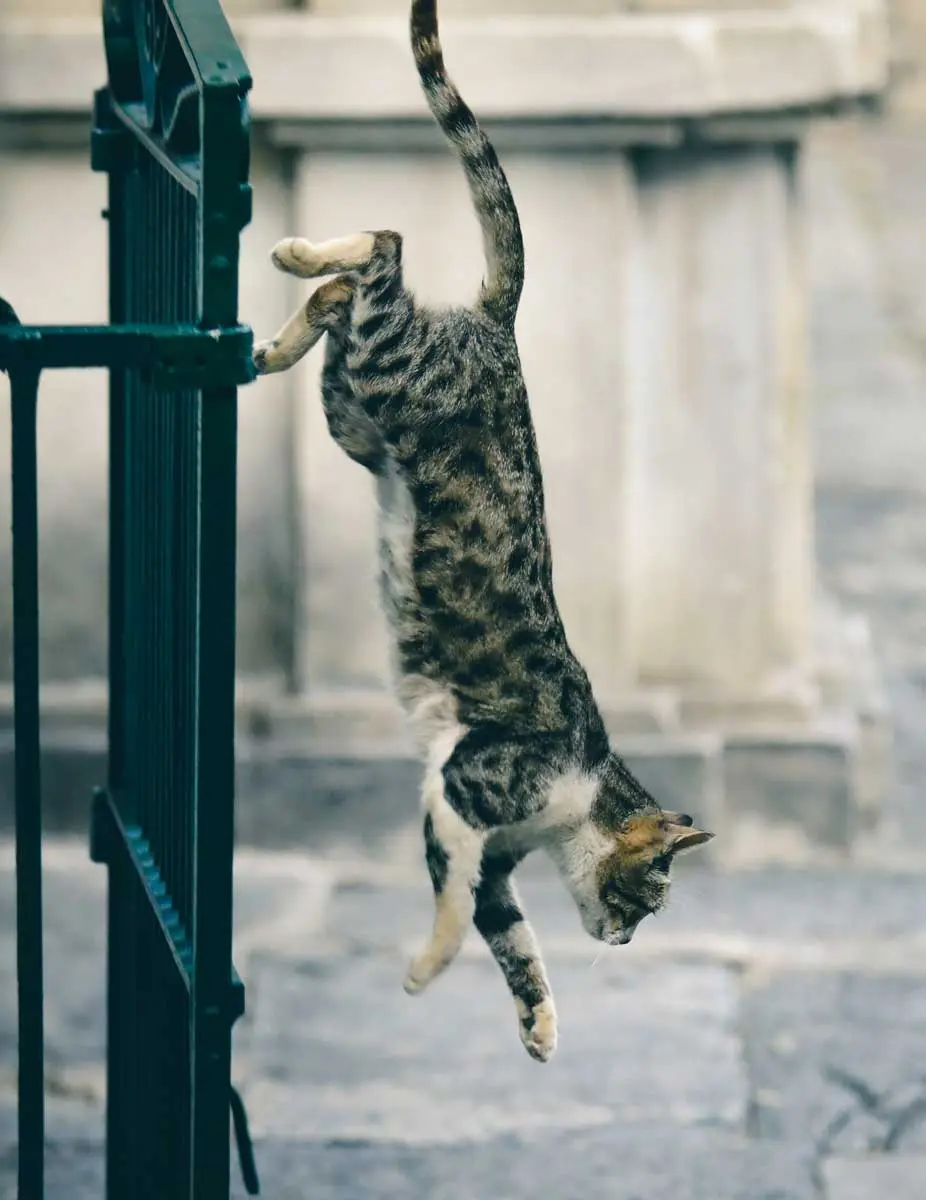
(681, 834)
(646, 834)
(680, 838)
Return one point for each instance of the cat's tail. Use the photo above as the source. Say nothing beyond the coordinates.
(488, 185)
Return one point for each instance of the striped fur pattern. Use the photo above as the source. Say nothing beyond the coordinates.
(433, 404)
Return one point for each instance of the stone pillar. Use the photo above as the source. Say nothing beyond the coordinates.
(719, 490)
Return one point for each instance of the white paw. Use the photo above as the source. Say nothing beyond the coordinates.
(262, 356)
(418, 976)
(295, 256)
(538, 1031)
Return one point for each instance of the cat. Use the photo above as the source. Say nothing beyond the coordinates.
(434, 405)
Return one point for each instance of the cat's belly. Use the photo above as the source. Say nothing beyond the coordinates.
(396, 537)
(430, 707)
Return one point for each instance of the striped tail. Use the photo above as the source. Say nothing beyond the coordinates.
(488, 185)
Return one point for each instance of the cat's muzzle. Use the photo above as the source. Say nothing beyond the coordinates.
(616, 937)
(622, 938)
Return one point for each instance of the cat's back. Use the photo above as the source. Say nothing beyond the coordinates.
(465, 554)
(463, 351)
(469, 414)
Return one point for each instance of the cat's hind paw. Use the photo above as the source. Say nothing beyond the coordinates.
(309, 260)
(263, 357)
(538, 1030)
(295, 256)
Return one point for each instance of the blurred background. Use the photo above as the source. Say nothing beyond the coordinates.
(724, 336)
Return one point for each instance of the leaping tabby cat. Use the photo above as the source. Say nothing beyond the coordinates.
(433, 403)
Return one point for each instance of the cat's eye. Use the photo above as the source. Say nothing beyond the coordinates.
(614, 897)
(662, 864)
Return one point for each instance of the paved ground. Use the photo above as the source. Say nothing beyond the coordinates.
(756, 1042)
(764, 1040)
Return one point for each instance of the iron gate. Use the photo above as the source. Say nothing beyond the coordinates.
(171, 132)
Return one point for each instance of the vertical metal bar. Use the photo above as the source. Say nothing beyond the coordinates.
(166, 403)
(118, 390)
(171, 209)
(224, 144)
(155, 253)
(29, 965)
(122, 1075)
(185, 578)
(215, 790)
(149, 997)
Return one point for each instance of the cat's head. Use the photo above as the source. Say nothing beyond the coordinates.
(632, 880)
(619, 872)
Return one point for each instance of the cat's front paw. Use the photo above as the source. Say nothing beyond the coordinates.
(433, 961)
(538, 1029)
(420, 973)
(413, 985)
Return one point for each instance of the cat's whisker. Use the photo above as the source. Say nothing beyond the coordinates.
(597, 956)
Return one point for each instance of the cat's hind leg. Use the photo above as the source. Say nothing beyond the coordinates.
(324, 310)
(453, 851)
(506, 931)
(356, 252)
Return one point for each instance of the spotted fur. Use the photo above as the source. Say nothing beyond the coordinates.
(433, 404)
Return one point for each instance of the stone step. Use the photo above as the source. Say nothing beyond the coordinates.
(778, 795)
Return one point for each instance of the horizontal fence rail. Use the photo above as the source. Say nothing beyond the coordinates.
(178, 355)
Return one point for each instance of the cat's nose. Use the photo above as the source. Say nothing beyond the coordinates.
(623, 936)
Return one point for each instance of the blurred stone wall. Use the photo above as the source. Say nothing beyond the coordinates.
(679, 475)
(909, 34)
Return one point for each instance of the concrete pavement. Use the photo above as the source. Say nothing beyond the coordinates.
(758, 1039)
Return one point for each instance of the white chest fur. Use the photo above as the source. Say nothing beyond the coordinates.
(568, 802)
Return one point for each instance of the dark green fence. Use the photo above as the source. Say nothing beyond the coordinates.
(171, 132)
